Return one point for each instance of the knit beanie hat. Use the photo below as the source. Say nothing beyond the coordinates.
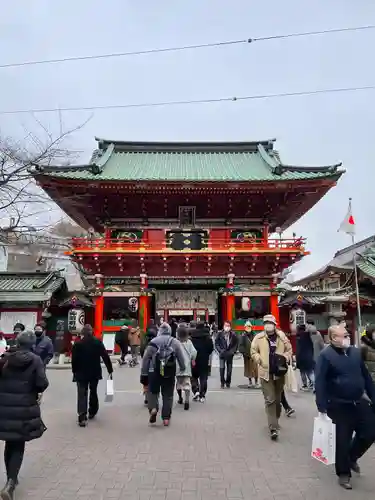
(26, 339)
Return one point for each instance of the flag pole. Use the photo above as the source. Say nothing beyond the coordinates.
(359, 323)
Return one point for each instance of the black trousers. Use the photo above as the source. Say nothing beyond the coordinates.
(87, 399)
(199, 384)
(356, 418)
(124, 350)
(284, 402)
(226, 364)
(165, 386)
(13, 458)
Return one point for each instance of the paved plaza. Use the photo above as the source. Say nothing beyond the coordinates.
(218, 450)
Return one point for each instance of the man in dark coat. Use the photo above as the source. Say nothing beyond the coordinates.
(122, 340)
(226, 344)
(305, 358)
(87, 371)
(43, 345)
(22, 378)
(200, 337)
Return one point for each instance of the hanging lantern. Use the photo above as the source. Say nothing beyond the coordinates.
(76, 320)
(297, 317)
(246, 303)
(133, 304)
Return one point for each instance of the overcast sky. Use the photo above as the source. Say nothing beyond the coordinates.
(310, 130)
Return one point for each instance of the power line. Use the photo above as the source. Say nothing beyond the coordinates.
(184, 47)
(186, 102)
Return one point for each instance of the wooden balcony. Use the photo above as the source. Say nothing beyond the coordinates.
(214, 245)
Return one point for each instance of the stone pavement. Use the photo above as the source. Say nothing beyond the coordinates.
(218, 450)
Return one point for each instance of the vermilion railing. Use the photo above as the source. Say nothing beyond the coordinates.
(98, 244)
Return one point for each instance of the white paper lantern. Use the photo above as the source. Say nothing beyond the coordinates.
(297, 317)
(133, 304)
(76, 320)
(246, 303)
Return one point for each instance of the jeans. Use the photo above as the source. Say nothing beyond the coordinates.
(199, 384)
(13, 457)
(226, 363)
(166, 387)
(87, 402)
(349, 418)
(308, 378)
(272, 393)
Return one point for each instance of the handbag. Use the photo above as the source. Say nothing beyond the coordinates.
(324, 440)
(109, 390)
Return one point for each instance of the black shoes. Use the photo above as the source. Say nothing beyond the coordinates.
(186, 405)
(153, 414)
(274, 434)
(355, 467)
(7, 493)
(344, 482)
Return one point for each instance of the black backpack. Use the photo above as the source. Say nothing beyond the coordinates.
(165, 359)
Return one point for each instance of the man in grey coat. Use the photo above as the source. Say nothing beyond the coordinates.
(158, 372)
(317, 339)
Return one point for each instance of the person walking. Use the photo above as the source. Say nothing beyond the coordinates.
(150, 334)
(3, 343)
(174, 325)
(317, 339)
(122, 341)
(368, 349)
(135, 342)
(202, 341)
(87, 371)
(44, 345)
(305, 357)
(158, 372)
(345, 392)
(22, 378)
(272, 351)
(183, 377)
(226, 344)
(250, 368)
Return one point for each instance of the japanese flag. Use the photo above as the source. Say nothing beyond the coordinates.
(348, 225)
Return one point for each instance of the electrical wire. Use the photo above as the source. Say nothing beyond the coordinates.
(184, 47)
(187, 102)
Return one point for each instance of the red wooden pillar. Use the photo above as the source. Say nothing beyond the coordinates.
(144, 310)
(230, 305)
(265, 234)
(99, 307)
(107, 236)
(274, 303)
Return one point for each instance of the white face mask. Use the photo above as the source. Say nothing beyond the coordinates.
(269, 328)
(346, 342)
(226, 328)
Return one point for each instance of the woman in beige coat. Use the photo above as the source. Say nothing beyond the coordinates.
(272, 351)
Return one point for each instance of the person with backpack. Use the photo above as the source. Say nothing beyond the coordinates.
(158, 372)
(184, 376)
(122, 341)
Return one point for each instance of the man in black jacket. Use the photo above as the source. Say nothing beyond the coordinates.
(346, 393)
(87, 371)
(226, 344)
(122, 340)
(200, 337)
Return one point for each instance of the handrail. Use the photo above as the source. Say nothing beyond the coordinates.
(98, 244)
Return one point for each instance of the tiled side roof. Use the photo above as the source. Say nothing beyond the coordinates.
(366, 263)
(211, 162)
(30, 282)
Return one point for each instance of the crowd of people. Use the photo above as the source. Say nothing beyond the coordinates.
(177, 357)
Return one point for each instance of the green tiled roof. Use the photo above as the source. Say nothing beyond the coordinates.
(211, 162)
(34, 287)
(366, 263)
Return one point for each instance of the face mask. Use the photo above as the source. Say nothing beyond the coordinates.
(226, 328)
(38, 333)
(269, 328)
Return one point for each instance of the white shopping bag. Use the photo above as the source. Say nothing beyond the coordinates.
(324, 440)
(109, 391)
(291, 382)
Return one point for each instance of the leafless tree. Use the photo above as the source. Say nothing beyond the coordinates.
(22, 202)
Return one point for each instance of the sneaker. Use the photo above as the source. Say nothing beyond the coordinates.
(258, 386)
(344, 482)
(227, 386)
(304, 388)
(153, 414)
(202, 399)
(196, 396)
(92, 416)
(186, 405)
(355, 467)
(82, 423)
(274, 434)
(289, 412)
(222, 386)
(166, 422)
